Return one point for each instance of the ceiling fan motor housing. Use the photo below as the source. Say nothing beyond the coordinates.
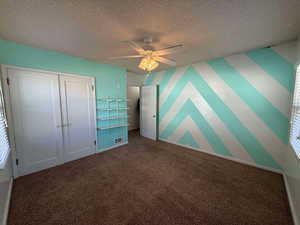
(148, 40)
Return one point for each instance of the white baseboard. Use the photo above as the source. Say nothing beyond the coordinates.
(7, 203)
(225, 157)
(291, 202)
(112, 147)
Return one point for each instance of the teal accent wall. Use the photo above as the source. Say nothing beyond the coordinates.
(249, 94)
(187, 139)
(236, 106)
(110, 80)
(272, 63)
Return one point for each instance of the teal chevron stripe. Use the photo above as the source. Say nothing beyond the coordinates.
(149, 79)
(174, 94)
(187, 139)
(243, 135)
(188, 109)
(274, 65)
(271, 116)
(165, 79)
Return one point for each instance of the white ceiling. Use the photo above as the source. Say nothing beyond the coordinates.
(94, 29)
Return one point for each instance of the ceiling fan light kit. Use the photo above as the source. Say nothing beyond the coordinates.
(148, 63)
(150, 58)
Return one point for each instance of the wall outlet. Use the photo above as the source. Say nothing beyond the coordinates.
(118, 140)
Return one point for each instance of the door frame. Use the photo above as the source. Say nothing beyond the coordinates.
(8, 107)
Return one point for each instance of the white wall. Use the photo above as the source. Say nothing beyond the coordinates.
(134, 81)
(292, 170)
(5, 180)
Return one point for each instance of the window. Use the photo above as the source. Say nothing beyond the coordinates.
(295, 118)
(4, 145)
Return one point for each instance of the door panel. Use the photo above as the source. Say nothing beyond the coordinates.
(148, 110)
(78, 110)
(36, 118)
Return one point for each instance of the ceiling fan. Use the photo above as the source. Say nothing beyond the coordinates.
(151, 57)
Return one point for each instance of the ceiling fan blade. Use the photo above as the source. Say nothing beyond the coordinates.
(135, 46)
(169, 50)
(126, 57)
(165, 60)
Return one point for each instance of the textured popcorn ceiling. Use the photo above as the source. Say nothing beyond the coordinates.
(94, 29)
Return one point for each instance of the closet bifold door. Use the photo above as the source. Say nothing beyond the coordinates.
(78, 116)
(35, 105)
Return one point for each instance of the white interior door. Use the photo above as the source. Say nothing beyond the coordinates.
(78, 113)
(148, 112)
(36, 113)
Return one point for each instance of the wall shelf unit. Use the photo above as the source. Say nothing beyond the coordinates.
(113, 118)
(112, 113)
(113, 99)
(111, 109)
(113, 126)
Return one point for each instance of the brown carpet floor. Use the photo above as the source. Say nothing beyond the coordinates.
(147, 182)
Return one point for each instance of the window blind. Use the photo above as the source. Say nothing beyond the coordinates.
(295, 116)
(4, 144)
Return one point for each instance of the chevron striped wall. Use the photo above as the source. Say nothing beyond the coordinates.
(237, 106)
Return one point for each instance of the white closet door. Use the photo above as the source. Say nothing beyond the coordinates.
(36, 113)
(148, 112)
(78, 112)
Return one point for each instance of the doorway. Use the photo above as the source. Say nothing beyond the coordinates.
(143, 110)
(133, 95)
